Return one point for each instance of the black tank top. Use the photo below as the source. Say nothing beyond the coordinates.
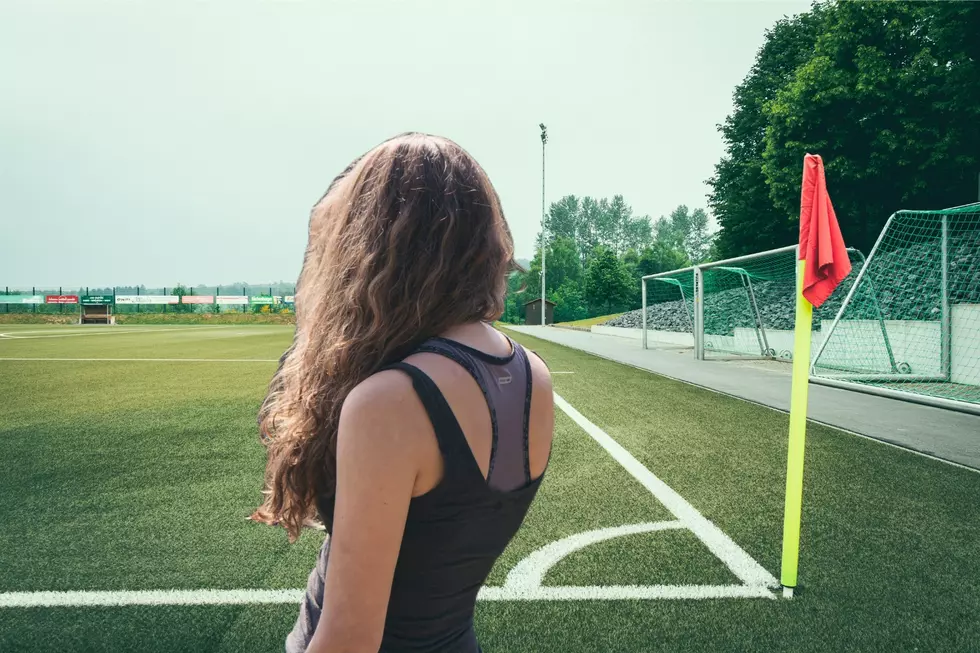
(455, 532)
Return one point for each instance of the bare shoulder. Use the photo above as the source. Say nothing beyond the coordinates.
(540, 374)
(383, 411)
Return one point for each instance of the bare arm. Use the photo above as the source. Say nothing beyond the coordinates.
(377, 464)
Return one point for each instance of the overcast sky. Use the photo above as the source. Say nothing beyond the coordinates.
(169, 142)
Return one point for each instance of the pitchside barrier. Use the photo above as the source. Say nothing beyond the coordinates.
(102, 307)
(904, 324)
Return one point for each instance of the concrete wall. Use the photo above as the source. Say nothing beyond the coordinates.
(679, 338)
(858, 344)
(965, 351)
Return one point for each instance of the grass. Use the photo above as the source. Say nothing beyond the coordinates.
(590, 322)
(138, 475)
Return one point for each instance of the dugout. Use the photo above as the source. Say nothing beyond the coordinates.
(532, 312)
(96, 309)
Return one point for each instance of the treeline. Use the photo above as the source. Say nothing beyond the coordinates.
(888, 93)
(597, 251)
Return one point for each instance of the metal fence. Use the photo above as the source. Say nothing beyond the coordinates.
(142, 299)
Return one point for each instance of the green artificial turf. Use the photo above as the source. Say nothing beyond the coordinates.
(138, 475)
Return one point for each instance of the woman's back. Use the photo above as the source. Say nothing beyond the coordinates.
(421, 464)
(484, 413)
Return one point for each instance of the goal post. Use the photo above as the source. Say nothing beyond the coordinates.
(668, 305)
(909, 326)
(748, 304)
(741, 307)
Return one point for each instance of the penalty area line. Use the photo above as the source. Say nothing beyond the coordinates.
(735, 558)
(123, 598)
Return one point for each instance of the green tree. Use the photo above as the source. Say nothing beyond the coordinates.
(739, 197)
(179, 290)
(887, 93)
(569, 302)
(890, 98)
(660, 258)
(685, 232)
(697, 240)
(563, 218)
(517, 295)
(563, 264)
(607, 286)
(671, 231)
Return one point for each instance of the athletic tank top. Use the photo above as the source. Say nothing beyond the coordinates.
(455, 532)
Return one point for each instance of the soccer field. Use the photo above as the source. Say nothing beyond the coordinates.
(130, 461)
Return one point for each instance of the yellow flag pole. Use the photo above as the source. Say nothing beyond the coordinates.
(797, 437)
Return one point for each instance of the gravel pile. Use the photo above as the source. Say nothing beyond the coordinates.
(906, 283)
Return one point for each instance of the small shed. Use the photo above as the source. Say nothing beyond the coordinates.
(532, 312)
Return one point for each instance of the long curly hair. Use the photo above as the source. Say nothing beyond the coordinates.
(408, 242)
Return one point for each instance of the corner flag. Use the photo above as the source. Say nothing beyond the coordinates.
(823, 264)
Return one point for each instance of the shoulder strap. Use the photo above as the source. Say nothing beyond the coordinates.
(447, 349)
(449, 434)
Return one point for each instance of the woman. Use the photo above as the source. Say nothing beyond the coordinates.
(413, 431)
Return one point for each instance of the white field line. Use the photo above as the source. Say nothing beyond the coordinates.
(523, 583)
(626, 592)
(15, 336)
(147, 597)
(293, 597)
(738, 561)
(147, 360)
(528, 575)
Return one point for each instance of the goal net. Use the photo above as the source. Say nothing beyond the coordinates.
(911, 322)
(749, 303)
(668, 308)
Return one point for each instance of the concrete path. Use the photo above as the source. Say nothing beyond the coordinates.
(942, 433)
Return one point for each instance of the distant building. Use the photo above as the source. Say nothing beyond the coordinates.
(532, 312)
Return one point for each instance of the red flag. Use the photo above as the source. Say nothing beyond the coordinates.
(821, 243)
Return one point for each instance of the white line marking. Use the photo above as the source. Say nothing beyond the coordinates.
(293, 597)
(563, 372)
(738, 561)
(626, 592)
(112, 332)
(147, 597)
(523, 583)
(529, 573)
(149, 360)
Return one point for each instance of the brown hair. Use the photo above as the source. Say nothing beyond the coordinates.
(409, 241)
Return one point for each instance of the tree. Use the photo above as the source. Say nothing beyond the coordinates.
(890, 98)
(563, 218)
(671, 231)
(697, 240)
(887, 93)
(660, 258)
(739, 196)
(517, 295)
(179, 290)
(563, 263)
(685, 232)
(637, 233)
(569, 302)
(607, 286)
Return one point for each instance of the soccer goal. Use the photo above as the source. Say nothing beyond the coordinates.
(909, 326)
(745, 305)
(668, 308)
